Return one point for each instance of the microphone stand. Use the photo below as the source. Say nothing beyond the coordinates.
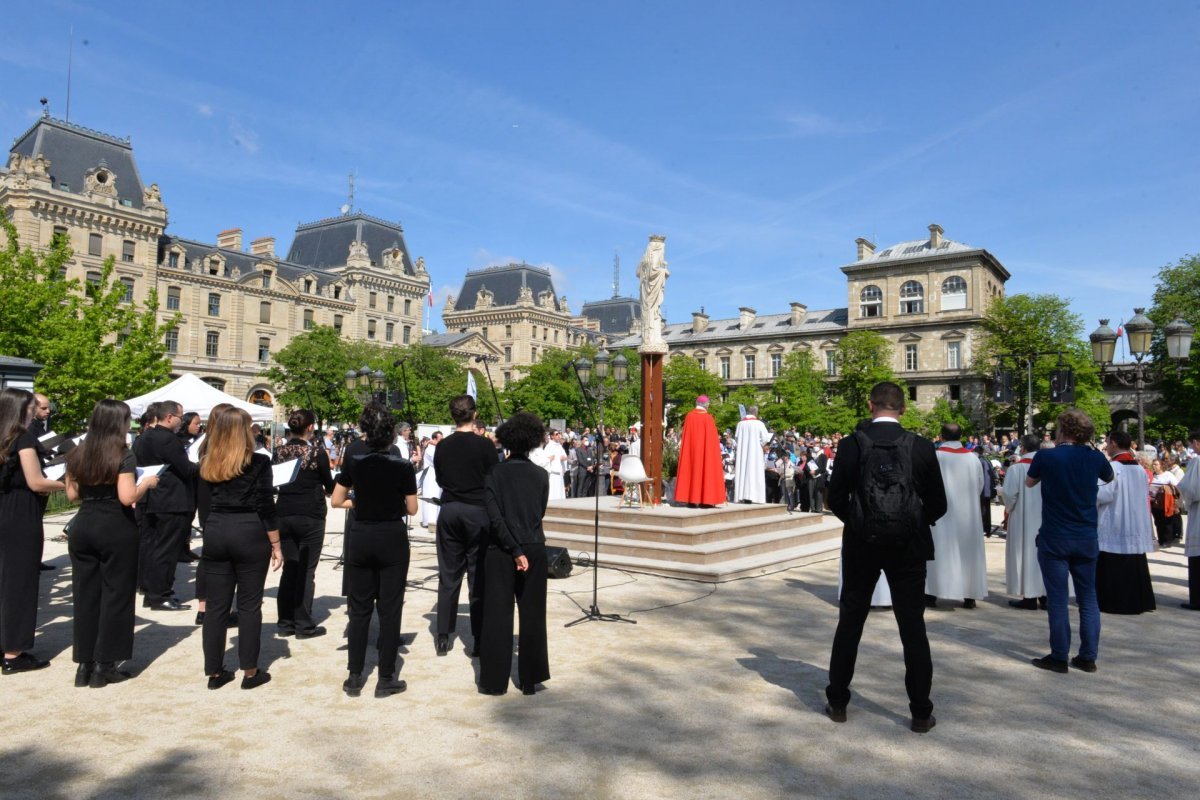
(593, 613)
(486, 360)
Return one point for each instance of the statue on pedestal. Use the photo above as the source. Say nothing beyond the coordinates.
(652, 274)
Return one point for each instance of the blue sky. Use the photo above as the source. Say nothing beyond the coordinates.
(760, 138)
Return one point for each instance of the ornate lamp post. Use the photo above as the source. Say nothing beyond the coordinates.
(366, 384)
(1140, 331)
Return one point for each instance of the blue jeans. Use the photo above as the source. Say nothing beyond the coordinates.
(1059, 558)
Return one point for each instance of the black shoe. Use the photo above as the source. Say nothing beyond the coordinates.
(199, 617)
(1190, 606)
(1083, 664)
(311, 633)
(219, 680)
(44, 567)
(474, 652)
(83, 674)
(1028, 603)
(1042, 602)
(168, 604)
(1052, 664)
(930, 601)
(969, 603)
(25, 662)
(835, 714)
(256, 680)
(353, 685)
(106, 674)
(388, 686)
(528, 691)
(443, 644)
(493, 692)
(923, 725)
(285, 630)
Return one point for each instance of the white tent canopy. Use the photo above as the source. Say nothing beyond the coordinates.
(196, 395)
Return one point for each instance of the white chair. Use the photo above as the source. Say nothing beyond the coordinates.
(632, 475)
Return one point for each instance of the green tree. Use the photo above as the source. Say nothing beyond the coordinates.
(726, 413)
(310, 373)
(434, 377)
(1177, 296)
(863, 359)
(91, 342)
(929, 423)
(549, 389)
(806, 401)
(1020, 327)
(686, 380)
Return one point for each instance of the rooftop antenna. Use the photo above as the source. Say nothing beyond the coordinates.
(70, 53)
(350, 197)
(616, 274)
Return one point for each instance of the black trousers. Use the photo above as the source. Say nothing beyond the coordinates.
(460, 530)
(103, 545)
(906, 579)
(301, 539)
(21, 542)
(804, 493)
(377, 574)
(1194, 580)
(501, 585)
(816, 503)
(985, 508)
(163, 534)
(236, 557)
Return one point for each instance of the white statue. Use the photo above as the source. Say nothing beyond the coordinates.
(652, 273)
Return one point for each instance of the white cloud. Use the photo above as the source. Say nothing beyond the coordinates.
(204, 110)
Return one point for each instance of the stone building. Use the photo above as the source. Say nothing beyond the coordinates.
(237, 306)
(926, 296)
(515, 308)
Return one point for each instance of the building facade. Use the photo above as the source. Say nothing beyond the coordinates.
(926, 297)
(515, 308)
(236, 305)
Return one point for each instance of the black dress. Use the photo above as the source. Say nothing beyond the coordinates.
(517, 492)
(103, 545)
(21, 541)
(377, 553)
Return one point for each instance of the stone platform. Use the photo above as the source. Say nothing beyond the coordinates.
(706, 544)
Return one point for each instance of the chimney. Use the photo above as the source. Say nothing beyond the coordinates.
(935, 236)
(746, 318)
(865, 249)
(230, 239)
(799, 312)
(264, 246)
(699, 321)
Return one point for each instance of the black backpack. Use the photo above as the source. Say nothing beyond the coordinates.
(886, 508)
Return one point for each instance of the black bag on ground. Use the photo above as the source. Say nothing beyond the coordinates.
(887, 510)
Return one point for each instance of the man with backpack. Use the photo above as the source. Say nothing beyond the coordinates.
(887, 489)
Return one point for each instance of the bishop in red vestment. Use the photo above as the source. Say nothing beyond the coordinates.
(701, 479)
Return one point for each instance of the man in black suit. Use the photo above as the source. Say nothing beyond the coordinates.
(584, 479)
(903, 563)
(169, 507)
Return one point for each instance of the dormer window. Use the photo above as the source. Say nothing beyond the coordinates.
(214, 266)
(266, 278)
(173, 260)
(337, 293)
(308, 285)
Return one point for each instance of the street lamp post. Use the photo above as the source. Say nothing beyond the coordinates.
(367, 384)
(1140, 332)
(599, 392)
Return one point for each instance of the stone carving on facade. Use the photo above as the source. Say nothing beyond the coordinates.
(237, 273)
(545, 299)
(420, 265)
(152, 197)
(484, 298)
(100, 180)
(359, 256)
(652, 274)
(525, 296)
(449, 303)
(562, 305)
(393, 259)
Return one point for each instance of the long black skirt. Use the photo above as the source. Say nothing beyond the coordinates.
(1123, 584)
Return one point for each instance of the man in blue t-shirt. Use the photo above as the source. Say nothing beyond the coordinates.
(1067, 542)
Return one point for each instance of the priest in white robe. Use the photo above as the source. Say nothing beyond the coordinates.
(750, 480)
(430, 490)
(1189, 491)
(1024, 508)
(959, 568)
(1125, 531)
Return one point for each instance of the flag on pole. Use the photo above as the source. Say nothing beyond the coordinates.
(471, 384)
(431, 297)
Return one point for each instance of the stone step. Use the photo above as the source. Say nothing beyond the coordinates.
(698, 534)
(661, 516)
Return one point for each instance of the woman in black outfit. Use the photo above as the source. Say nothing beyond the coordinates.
(385, 493)
(21, 536)
(241, 538)
(301, 508)
(517, 491)
(103, 544)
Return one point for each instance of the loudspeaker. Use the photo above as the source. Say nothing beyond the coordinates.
(558, 562)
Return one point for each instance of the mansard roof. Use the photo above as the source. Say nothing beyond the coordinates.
(505, 282)
(74, 150)
(615, 315)
(325, 244)
(247, 263)
(680, 334)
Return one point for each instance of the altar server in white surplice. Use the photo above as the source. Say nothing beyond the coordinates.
(430, 490)
(1024, 507)
(750, 480)
(959, 568)
(552, 458)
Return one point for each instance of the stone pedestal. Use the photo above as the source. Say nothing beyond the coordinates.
(652, 424)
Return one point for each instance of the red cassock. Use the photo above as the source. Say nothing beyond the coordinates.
(701, 478)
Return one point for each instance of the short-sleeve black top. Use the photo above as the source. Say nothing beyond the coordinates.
(12, 476)
(381, 482)
(108, 491)
(462, 461)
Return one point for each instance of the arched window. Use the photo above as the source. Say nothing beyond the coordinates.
(872, 302)
(912, 298)
(954, 293)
